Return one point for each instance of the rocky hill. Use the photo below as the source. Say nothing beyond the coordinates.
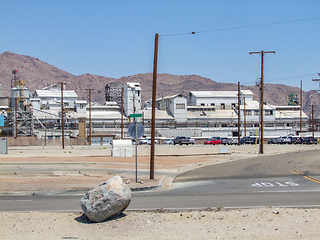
(38, 74)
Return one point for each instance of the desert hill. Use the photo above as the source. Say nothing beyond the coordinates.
(38, 74)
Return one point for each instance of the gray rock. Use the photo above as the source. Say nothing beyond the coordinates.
(108, 199)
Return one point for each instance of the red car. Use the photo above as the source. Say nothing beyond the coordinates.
(212, 141)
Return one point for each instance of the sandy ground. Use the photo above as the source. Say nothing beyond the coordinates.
(258, 223)
(261, 223)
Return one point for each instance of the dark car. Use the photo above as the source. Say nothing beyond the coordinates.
(225, 141)
(249, 140)
(310, 140)
(274, 141)
(299, 140)
(181, 140)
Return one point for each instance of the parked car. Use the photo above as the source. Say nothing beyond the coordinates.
(191, 140)
(299, 140)
(225, 141)
(234, 141)
(212, 141)
(285, 140)
(168, 142)
(274, 141)
(181, 140)
(249, 140)
(147, 141)
(310, 140)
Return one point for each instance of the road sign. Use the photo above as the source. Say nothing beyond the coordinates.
(134, 115)
(132, 130)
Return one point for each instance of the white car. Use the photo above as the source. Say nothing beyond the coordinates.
(169, 142)
(147, 141)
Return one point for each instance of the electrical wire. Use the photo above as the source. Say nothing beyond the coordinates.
(241, 27)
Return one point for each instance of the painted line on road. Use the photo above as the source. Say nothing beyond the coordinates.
(290, 191)
(306, 176)
(16, 200)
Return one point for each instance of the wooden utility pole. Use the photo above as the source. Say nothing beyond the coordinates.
(244, 116)
(90, 115)
(62, 113)
(122, 113)
(300, 107)
(317, 80)
(16, 118)
(45, 130)
(154, 92)
(312, 116)
(239, 122)
(262, 53)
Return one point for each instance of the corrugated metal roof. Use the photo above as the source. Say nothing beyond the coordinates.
(255, 105)
(56, 94)
(212, 115)
(210, 94)
(160, 114)
(283, 114)
(247, 92)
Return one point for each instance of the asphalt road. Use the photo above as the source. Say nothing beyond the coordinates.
(280, 180)
(249, 192)
(287, 164)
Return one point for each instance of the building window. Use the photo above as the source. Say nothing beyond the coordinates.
(256, 112)
(233, 105)
(180, 106)
(248, 112)
(269, 125)
(81, 106)
(268, 112)
(202, 104)
(223, 106)
(213, 104)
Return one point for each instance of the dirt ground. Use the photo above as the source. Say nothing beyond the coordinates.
(257, 223)
(260, 223)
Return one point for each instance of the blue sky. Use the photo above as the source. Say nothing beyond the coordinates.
(116, 38)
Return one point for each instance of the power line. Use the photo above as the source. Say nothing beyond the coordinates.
(241, 27)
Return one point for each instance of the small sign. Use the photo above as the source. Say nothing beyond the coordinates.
(135, 115)
(1, 121)
(132, 130)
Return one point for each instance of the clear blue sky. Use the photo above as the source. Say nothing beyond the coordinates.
(115, 38)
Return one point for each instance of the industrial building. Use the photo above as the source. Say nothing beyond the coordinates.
(199, 114)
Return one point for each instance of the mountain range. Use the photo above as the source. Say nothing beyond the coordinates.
(38, 74)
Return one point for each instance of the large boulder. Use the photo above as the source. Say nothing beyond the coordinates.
(108, 199)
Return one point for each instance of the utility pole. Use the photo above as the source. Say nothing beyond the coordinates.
(317, 80)
(90, 114)
(45, 130)
(62, 113)
(262, 53)
(244, 116)
(300, 107)
(312, 116)
(15, 118)
(122, 113)
(239, 114)
(154, 92)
